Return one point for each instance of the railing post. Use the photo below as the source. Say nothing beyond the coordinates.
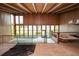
(58, 37)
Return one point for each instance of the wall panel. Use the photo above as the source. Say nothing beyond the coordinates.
(66, 17)
(5, 27)
(39, 19)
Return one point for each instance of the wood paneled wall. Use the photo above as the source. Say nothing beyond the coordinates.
(5, 23)
(71, 15)
(40, 19)
(66, 17)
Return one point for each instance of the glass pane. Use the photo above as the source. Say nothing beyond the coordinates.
(56, 28)
(34, 27)
(48, 33)
(17, 27)
(17, 20)
(17, 32)
(12, 29)
(21, 32)
(39, 27)
(43, 33)
(30, 30)
(39, 30)
(48, 30)
(48, 27)
(21, 29)
(34, 30)
(30, 27)
(43, 27)
(52, 28)
(21, 19)
(12, 19)
(26, 30)
(43, 30)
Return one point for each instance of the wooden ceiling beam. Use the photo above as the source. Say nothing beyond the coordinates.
(2, 10)
(13, 7)
(34, 7)
(7, 9)
(66, 7)
(72, 8)
(20, 5)
(55, 7)
(44, 7)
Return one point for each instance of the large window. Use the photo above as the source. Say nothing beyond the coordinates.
(48, 30)
(17, 30)
(52, 28)
(19, 19)
(12, 19)
(39, 30)
(33, 30)
(26, 30)
(30, 30)
(21, 30)
(43, 30)
(36, 30)
(56, 28)
(19, 25)
(12, 24)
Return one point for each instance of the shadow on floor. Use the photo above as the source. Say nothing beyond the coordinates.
(20, 50)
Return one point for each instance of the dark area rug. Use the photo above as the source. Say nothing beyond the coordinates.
(20, 50)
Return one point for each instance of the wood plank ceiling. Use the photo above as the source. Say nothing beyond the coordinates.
(24, 8)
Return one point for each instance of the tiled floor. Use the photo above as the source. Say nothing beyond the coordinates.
(5, 47)
(50, 49)
(66, 49)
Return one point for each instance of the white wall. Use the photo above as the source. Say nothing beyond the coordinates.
(69, 28)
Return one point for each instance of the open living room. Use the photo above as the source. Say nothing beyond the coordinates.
(39, 29)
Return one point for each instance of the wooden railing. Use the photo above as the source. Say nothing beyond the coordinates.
(7, 38)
